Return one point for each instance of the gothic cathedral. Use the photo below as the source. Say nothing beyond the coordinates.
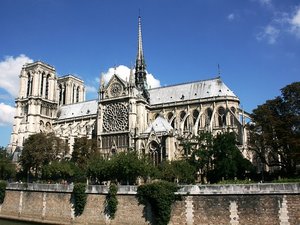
(127, 114)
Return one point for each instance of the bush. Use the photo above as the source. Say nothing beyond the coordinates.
(79, 198)
(3, 185)
(160, 196)
(111, 201)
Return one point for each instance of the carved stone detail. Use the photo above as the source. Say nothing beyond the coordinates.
(115, 117)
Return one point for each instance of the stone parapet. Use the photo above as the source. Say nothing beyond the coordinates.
(230, 189)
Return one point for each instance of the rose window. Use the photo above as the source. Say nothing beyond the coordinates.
(115, 117)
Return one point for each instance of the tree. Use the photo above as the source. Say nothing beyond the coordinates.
(218, 157)
(59, 170)
(228, 161)
(98, 169)
(202, 153)
(275, 131)
(180, 171)
(38, 150)
(7, 168)
(83, 150)
(128, 166)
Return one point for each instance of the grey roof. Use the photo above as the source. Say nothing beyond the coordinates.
(78, 109)
(190, 91)
(160, 124)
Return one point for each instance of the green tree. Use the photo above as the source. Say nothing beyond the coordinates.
(59, 170)
(275, 131)
(99, 169)
(126, 167)
(202, 153)
(7, 168)
(228, 161)
(38, 150)
(178, 171)
(83, 150)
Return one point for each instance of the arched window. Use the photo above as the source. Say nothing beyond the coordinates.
(171, 121)
(29, 84)
(42, 84)
(182, 118)
(155, 153)
(60, 94)
(221, 116)
(47, 86)
(232, 116)
(208, 115)
(77, 94)
(195, 116)
(74, 95)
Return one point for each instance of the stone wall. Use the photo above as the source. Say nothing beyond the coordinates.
(262, 204)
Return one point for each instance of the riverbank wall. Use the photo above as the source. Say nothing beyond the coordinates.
(260, 204)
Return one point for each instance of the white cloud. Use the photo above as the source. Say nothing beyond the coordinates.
(231, 17)
(124, 72)
(269, 33)
(90, 89)
(7, 113)
(10, 69)
(295, 23)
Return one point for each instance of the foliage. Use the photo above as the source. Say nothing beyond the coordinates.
(3, 185)
(98, 169)
(202, 153)
(7, 168)
(275, 133)
(59, 170)
(40, 149)
(218, 158)
(236, 181)
(180, 171)
(84, 149)
(286, 180)
(228, 160)
(126, 167)
(111, 201)
(79, 198)
(160, 196)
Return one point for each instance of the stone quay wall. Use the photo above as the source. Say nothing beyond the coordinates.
(259, 204)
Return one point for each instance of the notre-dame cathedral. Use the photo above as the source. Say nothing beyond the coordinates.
(127, 115)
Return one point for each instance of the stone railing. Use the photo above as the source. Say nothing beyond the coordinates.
(40, 187)
(236, 189)
(233, 189)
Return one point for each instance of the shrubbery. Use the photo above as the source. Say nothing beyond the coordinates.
(160, 196)
(3, 185)
(80, 197)
(111, 201)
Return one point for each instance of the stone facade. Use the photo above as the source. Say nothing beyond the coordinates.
(127, 114)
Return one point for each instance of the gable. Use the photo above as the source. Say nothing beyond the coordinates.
(115, 87)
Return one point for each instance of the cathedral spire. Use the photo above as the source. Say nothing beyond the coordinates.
(140, 53)
(140, 65)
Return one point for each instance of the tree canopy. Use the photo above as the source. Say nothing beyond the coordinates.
(40, 149)
(275, 131)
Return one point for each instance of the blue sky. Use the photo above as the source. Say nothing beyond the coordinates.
(256, 43)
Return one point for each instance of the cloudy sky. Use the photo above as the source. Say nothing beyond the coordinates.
(256, 43)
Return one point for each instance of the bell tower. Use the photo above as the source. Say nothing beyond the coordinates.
(36, 104)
